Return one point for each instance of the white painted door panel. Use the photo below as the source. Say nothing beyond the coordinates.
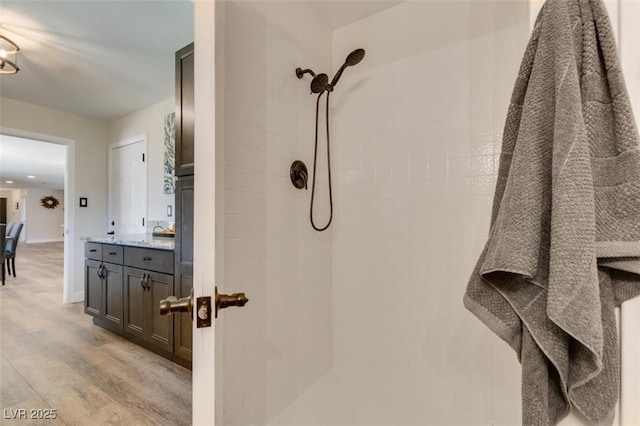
(128, 187)
(208, 202)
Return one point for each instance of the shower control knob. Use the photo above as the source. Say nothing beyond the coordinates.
(299, 174)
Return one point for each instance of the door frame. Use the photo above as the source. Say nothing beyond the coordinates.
(208, 201)
(142, 138)
(68, 293)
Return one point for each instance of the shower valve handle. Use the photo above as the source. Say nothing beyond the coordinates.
(299, 174)
(302, 175)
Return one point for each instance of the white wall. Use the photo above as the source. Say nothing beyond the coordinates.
(149, 121)
(629, 32)
(417, 133)
(13, 197)
(91, 139)
(43, 225)
(280, 343)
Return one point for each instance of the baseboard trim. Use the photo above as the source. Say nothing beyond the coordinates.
(76, 297)
(54, 240)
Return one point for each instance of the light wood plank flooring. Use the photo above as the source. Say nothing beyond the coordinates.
(52, 356)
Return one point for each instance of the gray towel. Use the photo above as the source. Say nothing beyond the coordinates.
(564, 245)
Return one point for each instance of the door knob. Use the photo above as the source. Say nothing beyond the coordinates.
(172, 304)
(226, 300)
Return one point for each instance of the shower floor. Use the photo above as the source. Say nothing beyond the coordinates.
(339, 398)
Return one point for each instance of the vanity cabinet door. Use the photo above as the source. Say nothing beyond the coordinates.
(143, 292)
(113, 297)
(93, 298)
(159, 327)
(134, 301)
(184, 126)
(183, 270)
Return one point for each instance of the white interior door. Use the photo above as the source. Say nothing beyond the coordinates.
(128, 186)
(208, 201)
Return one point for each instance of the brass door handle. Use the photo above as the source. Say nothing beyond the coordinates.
(172, 304)
(226, 300)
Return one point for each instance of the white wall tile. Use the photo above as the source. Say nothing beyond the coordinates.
(437, 124)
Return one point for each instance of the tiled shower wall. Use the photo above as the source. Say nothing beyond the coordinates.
(416, 139)
(281, 342)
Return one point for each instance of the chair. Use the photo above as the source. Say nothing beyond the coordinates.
(9, 226)
(3, 236)
(11, 246)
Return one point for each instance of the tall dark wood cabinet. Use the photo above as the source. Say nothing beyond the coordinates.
(184, 111)
(183, 269)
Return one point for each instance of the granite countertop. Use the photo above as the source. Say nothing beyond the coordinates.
(136, 240)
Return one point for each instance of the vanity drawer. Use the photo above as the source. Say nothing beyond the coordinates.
(112, 254)
(93, 251)
(150, 259)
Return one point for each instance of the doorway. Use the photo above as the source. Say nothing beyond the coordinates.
(69, 295)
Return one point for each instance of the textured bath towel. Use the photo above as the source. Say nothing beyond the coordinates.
(564, 243)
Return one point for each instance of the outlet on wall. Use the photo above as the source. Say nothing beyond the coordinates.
(169, 210)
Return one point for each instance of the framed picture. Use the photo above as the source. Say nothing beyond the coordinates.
(83, 202)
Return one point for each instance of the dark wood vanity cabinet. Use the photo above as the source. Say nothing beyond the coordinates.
(123, 289)
(143, 291)
(184, 111)
(103, 283)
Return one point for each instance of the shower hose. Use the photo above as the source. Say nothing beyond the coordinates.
(315, 158)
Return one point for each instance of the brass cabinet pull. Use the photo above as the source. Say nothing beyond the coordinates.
(142, 280)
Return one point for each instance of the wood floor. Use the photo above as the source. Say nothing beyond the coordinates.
(53, 357)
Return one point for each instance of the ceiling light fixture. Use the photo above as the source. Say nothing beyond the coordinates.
(31, 177)
(9, 181)
(8, 56)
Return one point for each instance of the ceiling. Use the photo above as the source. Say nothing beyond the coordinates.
(100, 59)
(20, 158)
(340, 13)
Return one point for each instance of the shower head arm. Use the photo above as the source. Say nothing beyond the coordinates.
(300, 72)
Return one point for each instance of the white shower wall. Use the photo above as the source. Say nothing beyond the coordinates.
(416, 136)
(376, 301)
(281, 342)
